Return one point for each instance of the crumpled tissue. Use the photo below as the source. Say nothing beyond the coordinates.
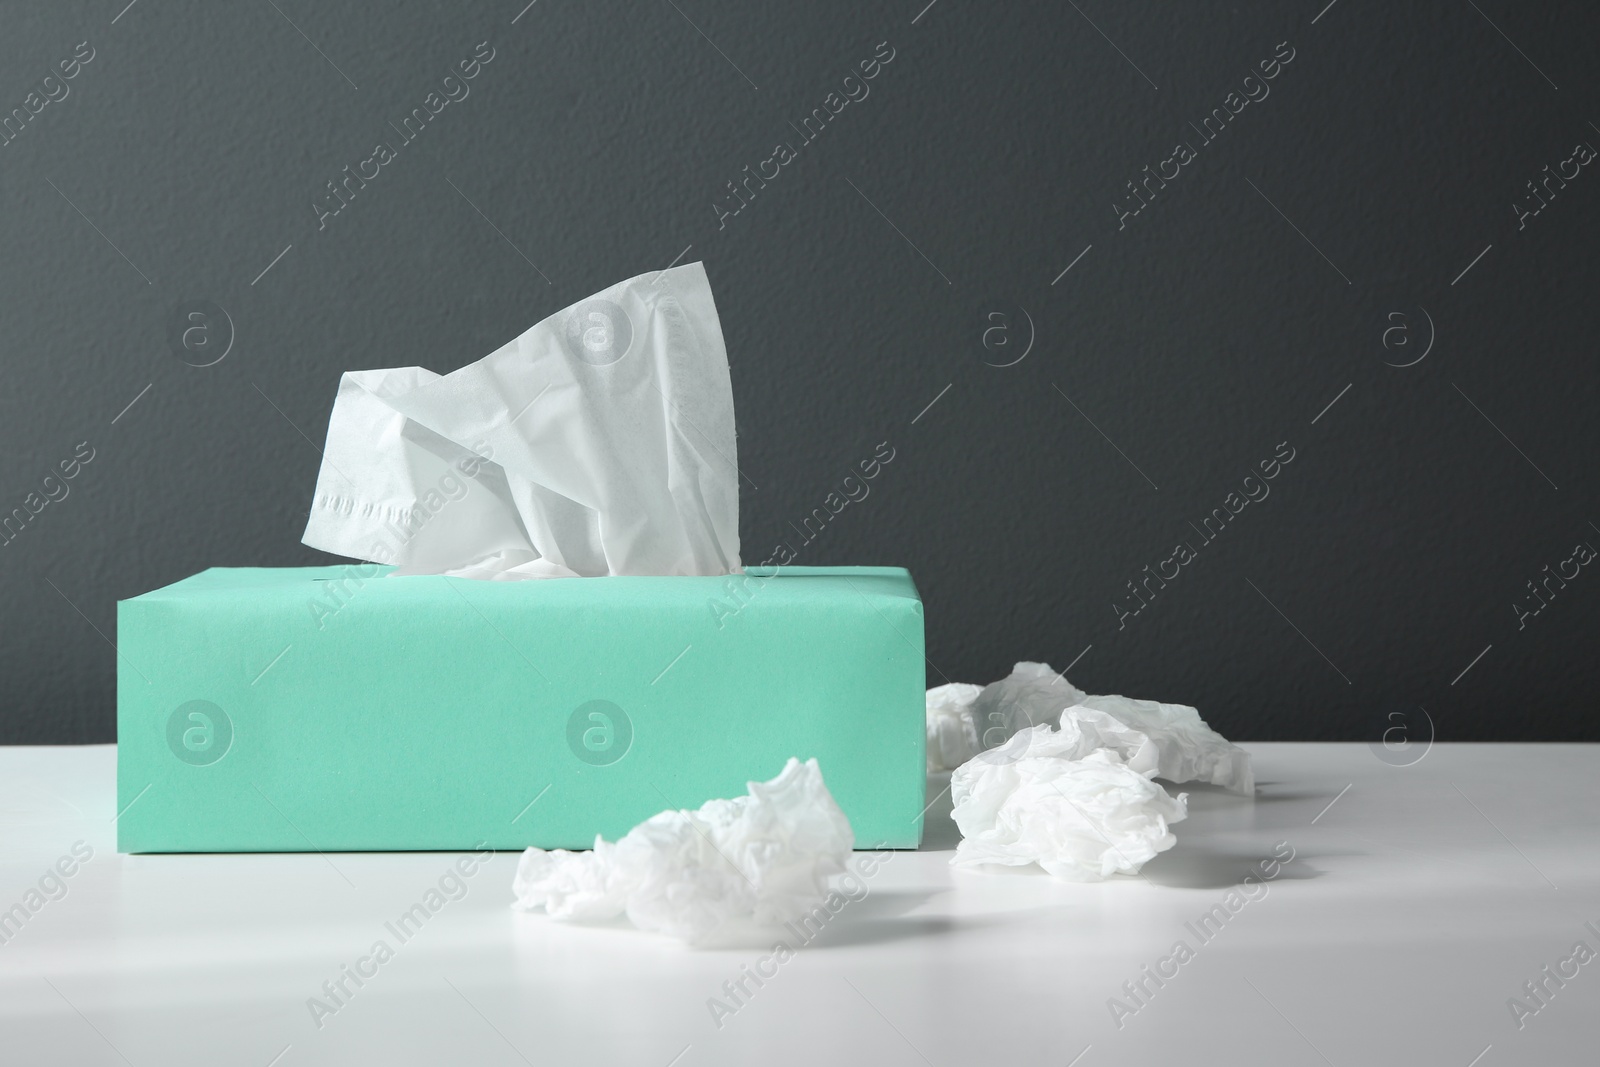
(1076, 797)
(1053, 797)
(1190, 750)
(1033, 694)
(600, 441)
(1030, 695)
(952, 735)
(1086, 729)
(765, 857)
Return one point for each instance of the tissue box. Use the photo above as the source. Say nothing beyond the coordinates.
(337, 708)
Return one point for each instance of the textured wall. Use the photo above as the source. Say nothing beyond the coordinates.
(1351, 270)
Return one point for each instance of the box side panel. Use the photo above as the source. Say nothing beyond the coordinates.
(389, 717)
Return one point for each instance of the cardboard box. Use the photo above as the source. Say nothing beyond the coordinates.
(338, 708)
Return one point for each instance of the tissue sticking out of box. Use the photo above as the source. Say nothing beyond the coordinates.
(765, 858)
(1033, 695)
(601, 441)
(1052, 797)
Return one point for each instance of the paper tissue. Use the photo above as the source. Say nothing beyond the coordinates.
(764, 858)
(1041, 798)
(600, 442)
(397, 704)
(1033, 694)
(1075, 797)
(952, 732)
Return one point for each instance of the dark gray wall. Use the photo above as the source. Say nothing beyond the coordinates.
(1182, 347)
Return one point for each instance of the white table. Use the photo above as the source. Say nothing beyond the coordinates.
(1415, 907)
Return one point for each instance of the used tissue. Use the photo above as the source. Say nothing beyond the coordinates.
(1033, 694)
(1030, 695)
(603, 435)
(1051, 797)
(952, 735)
(1190, 750)
(765, 857)
(1076, 797)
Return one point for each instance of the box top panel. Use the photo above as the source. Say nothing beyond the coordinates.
(798, 582)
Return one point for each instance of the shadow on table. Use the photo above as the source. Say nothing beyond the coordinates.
(882, 918)
(1199, 868)
(1271, 793)
(879, 918)
(939, 832)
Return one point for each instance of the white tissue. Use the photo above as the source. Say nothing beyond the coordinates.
(1077, 798)
(765, 857)
(1039, 798)
(1030, 695)
(600, 441)
(952, 735)
(1189, 750)
(1085, 729)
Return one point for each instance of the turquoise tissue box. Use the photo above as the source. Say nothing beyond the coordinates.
(338, 708)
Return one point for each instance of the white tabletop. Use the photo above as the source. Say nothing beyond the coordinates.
(1415, 908)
